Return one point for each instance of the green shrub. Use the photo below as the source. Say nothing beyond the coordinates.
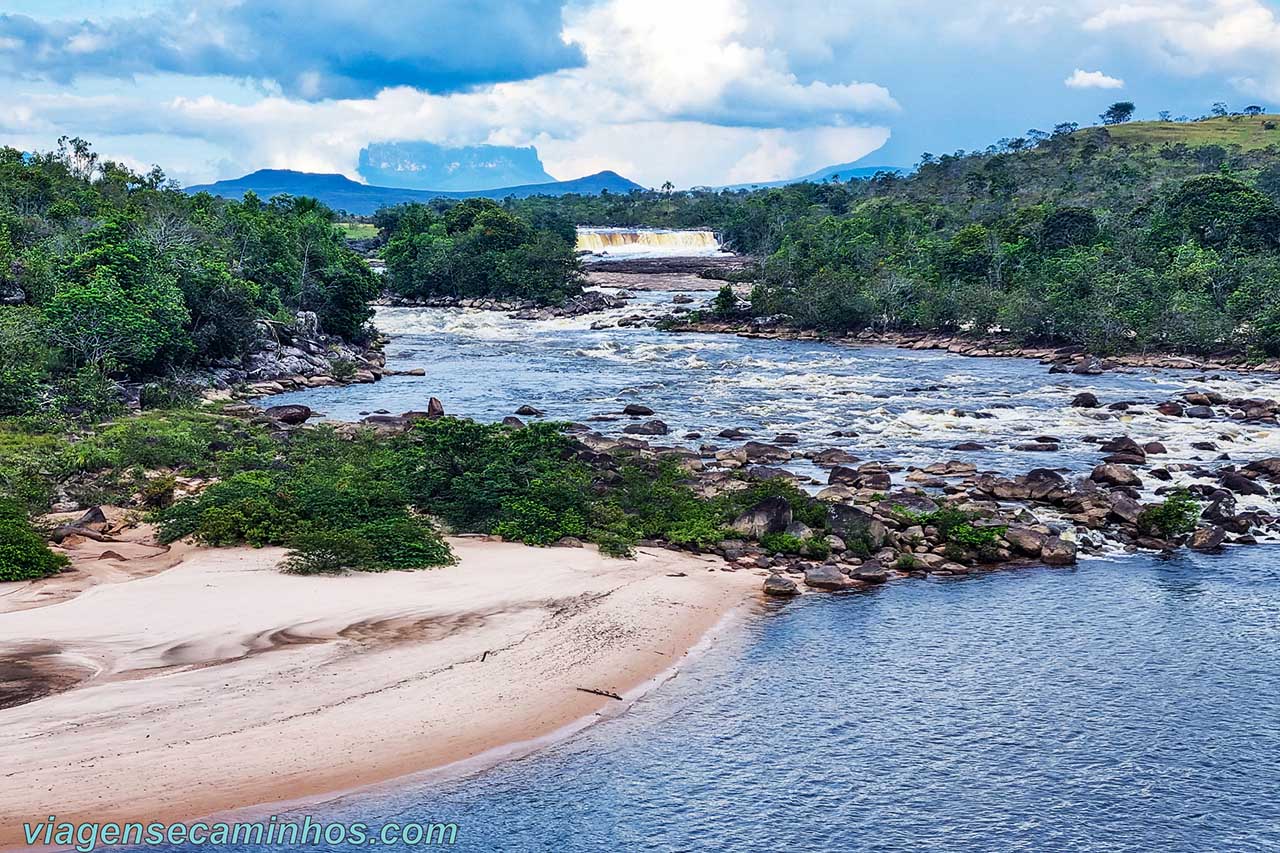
(327, 552)
(1175, 516)
(157, 492)
(396, 543)
(24, 555)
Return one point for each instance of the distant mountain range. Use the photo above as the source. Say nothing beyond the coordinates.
(842, 172)
(342, 193)
(452, 168)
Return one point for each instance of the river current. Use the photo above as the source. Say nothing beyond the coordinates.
(1126, 704)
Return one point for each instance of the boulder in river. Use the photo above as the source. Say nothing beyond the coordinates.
(1242, 485)
(826, 577)
(760, 452)
(1025, 540)
(1085, 400)
(1114, 474)
(435, 409)
(1058, 552)
(654, 427)
(1208, 538)
(529, 411)
(637, 410)
(778, 586)
(853, 524)
(833, 456)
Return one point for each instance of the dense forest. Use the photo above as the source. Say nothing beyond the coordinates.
(475, 248)
(108, 274)
(1113, 240)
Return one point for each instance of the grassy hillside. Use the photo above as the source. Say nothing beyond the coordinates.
(1248, 132)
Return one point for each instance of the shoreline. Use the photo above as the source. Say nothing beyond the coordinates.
(194, 671)
(991, 347)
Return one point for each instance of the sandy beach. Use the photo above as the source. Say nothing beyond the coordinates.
(170, 685)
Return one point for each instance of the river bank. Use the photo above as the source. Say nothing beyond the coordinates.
(219, 682)
(1065, 358)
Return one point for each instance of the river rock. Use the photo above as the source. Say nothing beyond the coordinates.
(1125, 508)
(777, 585)
(1058, 552)
(1115, 475)
(771, 515)
(636, 410)
(654, 427)
(529, 411)
(1025, 540)
(1269, 468)
(292, 415)
(1202, 412)
(733, 433)
(1045, 484)
(853, 524)
(1208, 538)
(826, 577)
(833, 456)
(513, 422)
(1241, 485)
(760, 452)
(435, 409)
(1090, 366)
(871, 572)
(1085, 400)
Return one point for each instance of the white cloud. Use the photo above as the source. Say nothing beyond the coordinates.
(1081, 79)
(670, 90)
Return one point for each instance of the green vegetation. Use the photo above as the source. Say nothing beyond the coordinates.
(1132, 237)
(785, 543)
(357, 230)
(956, 528)
(110, 275)
(1175, 516)
(475, 248)
(368, 502)
(23, 552)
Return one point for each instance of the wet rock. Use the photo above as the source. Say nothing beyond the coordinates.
(833, 456)
(513, 422)
(435, 409)
(291, 415)
(1171, 409)
(1085, 400)
(871, 572)
(788, 439)
(826, 577)
(1036, 447)
(1202, 412)
(1025, 540)
(636, 410)
(969, 446)
(733, 433)
(1207, 538)
(654, 427)
(1242, 485)
(1154, 448)
(771, 515)
(777, 585)
(1115, 475)
(530, 412)
(1125, 508)
(1058, 552)
(760, 452)
(1045, 484)
(1090, 366)
(1269, 468)
(842, 475)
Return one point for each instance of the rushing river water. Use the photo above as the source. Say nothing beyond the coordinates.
(1122, 705)
(891, 405)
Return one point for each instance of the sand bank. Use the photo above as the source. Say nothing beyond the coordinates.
(199, 681)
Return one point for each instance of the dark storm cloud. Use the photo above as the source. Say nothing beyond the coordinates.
(312, 50)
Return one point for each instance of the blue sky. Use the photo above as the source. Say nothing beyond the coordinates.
(693, 91)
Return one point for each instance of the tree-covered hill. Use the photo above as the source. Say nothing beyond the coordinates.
(107, 274)
(1085, 236)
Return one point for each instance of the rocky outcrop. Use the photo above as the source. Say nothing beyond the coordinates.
(771, 515)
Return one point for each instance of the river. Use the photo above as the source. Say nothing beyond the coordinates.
(1127, 704)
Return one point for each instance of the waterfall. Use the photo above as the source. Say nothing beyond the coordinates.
(649, 242)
